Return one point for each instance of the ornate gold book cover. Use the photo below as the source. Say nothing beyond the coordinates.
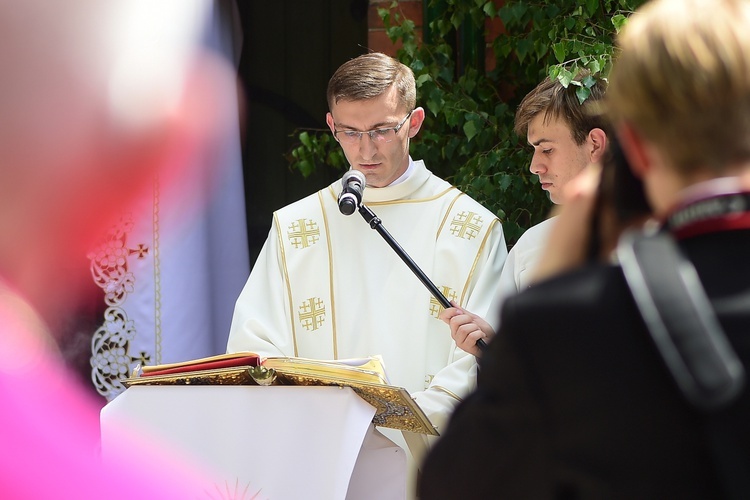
(394, 406)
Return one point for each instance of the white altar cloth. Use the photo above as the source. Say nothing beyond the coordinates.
(280, 442)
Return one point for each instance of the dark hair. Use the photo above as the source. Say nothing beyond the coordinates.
(627, 193)
(620, 193)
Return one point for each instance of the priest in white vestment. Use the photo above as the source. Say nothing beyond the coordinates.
(327, 286)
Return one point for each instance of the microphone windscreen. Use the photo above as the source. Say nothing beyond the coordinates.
(353, 175)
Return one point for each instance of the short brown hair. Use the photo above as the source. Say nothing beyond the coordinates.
(556, 101)
(369, 76)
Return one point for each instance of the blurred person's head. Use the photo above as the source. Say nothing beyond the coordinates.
(565, 135)
(372, 114)
(95, 99)
(679, 93)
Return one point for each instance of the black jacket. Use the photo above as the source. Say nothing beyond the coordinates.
(574, 401)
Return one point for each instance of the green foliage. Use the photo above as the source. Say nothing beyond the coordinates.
(316, 146)
(468, 137)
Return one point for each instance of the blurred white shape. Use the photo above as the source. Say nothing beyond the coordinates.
(154, 42)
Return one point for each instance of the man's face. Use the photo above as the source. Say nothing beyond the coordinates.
(381, 162)
(557, 158)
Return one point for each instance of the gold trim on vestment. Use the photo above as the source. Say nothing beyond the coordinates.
(476, 259)
(280, 236)
(447, 213)
(450, 393)
(330, 277)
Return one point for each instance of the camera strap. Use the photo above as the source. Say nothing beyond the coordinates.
(679, 316)
(692, 343)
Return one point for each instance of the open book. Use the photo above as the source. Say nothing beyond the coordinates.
(366, 376)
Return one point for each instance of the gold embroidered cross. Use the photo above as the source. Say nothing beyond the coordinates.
(435, 307)
(466, 225)
(312, 314)
(303, 233)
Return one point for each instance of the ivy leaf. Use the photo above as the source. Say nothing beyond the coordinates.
(446, 74)
(582, 93)
(542, 48)
(519, 10)
(423, 78)
(470, 129)
(450, 148)
(554, 72)
(435, 105)
(559, 51)
(618, 21)
(304, 138)
(591, 6)
(505, 181)
(335, 159)
(505, 15)
(565, 77)
(306, 168)
(594, 66)
(523, 48)
(490, 9)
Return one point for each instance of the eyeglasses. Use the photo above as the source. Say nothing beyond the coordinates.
(379, 135)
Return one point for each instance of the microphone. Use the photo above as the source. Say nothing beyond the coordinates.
(351, 196)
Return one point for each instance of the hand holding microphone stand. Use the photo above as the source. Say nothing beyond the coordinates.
(350, 200)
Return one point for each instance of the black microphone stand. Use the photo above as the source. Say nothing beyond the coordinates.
(376, 224)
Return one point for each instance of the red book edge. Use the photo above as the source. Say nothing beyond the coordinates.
(207, 365)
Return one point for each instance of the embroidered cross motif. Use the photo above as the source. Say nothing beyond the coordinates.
(140, 252)
(435, 307)
(142, 359)
(466, 225)
(303, 233)
(312, 314)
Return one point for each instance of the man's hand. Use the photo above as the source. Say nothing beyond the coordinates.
(466, 328)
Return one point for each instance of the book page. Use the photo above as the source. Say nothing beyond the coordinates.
(360, 369)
